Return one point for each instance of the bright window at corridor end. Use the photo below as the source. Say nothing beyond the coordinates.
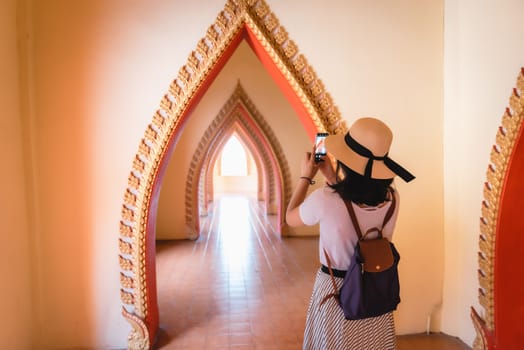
(234, 158)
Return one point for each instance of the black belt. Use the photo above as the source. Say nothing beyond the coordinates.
(336, 273)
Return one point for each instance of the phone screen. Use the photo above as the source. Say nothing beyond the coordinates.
(320, 146)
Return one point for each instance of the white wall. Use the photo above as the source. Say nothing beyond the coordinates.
(15, 258)
(484, 55)
(385, 59)
(100, 70)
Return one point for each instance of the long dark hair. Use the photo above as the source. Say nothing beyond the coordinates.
(360, 189)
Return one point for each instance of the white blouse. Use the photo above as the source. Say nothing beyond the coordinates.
(337, 234)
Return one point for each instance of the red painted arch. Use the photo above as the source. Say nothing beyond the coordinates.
(152, 317)
(222, 138)
(272, 165)
(249, 147)
(509, 249)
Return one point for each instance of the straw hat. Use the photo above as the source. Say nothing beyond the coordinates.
(364, 149)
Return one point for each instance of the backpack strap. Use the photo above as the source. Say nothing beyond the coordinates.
(391, 209)
(336, 294)
(351, 211)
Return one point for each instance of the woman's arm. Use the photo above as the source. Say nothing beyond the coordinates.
(308, 171)
(293, 218)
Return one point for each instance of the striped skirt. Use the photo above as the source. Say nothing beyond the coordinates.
(328, 329)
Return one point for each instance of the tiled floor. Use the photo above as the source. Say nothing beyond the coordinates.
(239, 286)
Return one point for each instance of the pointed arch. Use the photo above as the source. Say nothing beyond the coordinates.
(233, 159)
(206, 185)
(264, 175)
(249, 20)
(219, 135)
(206, 178)
(261, 141)
(234, 126)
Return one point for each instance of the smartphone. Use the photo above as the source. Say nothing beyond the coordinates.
(320, 146)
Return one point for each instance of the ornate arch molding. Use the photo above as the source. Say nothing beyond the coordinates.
(497, 196)
(246, 139)
(273, 170)
(263, 171)
(261, 142)
(207, 175)
(205, 189)
(238, 114)
(250, 20)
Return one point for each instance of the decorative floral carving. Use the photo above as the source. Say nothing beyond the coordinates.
(138, 164)
(125, 264)
(133, 181)
(126, 281)
(130, 198)
(126, 297)
(127, 214)
(126, 230)
(125, 247)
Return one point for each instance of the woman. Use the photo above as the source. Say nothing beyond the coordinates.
(363, 176)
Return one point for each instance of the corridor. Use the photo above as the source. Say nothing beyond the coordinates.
(240, 286)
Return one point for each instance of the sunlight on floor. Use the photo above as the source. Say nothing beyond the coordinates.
(235, 245)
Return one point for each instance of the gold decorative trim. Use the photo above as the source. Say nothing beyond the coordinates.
(255, 15)
(500, 154)
(126, 281)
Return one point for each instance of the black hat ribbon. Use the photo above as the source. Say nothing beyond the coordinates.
(390, 163)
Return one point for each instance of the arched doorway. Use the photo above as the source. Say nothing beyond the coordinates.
(238, 113)
(235, 170)
(249, 20)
